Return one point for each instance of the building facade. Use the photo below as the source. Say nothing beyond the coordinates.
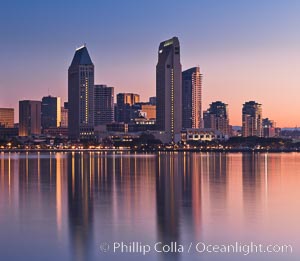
(169, 90)
(124, 111)
(104, 104)
(145, 110)
(217, 118)
(269, 128)
(192, 98)
(64, 117)
(202, 134)
(252, 119)
(51, 112)
(81, 96)
(149, 111)
(29, 118)
(7, 117)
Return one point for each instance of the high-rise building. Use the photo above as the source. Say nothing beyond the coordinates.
(7, 117)
(64, 116)
(29, 118)
(124, 106)
(169, 90)
(104, 104)
(217, 117)
(51, 112)
(252, 119)
(81, 96)
(191, 98)
(269, 128)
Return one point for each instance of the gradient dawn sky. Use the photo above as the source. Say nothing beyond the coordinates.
(247, 50)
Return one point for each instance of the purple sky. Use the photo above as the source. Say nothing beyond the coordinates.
(247, 50)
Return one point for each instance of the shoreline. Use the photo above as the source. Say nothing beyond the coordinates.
(153, 150)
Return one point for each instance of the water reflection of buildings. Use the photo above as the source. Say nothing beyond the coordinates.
(253, 169)
(82, 199)
(192, 174)
(217, 168)
(168, 200)
(80, 204)
(9, 181)
(36, 182)
(179, 199)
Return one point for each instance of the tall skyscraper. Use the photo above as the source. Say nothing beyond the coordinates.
(252, 119)
(217, 117)
(192, 98)
(124, 106)
(29, 118)
(51, 112)
(6, 117)
(169, 90)
(104, 104)
(81, 96)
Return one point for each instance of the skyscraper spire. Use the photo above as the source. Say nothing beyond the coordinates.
(81, 57)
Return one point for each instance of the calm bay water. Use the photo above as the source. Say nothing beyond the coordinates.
(64, 206)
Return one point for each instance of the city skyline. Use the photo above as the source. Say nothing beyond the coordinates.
(149, 130)
(254, 59)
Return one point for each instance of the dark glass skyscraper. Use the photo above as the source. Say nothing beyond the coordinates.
(81, 96)
(29, 118)
(169, 90)
(104, 104)
(51, 112)
(192, 98)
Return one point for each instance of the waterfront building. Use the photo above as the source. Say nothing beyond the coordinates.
(252, 119)
(269, 128)
(81, 96)
(192, 98)
(169, 90)
(7, 117)
(29, 118)
(124, 110)
(51, 112)
(217, 117)
(201, 134)
(104, 104)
